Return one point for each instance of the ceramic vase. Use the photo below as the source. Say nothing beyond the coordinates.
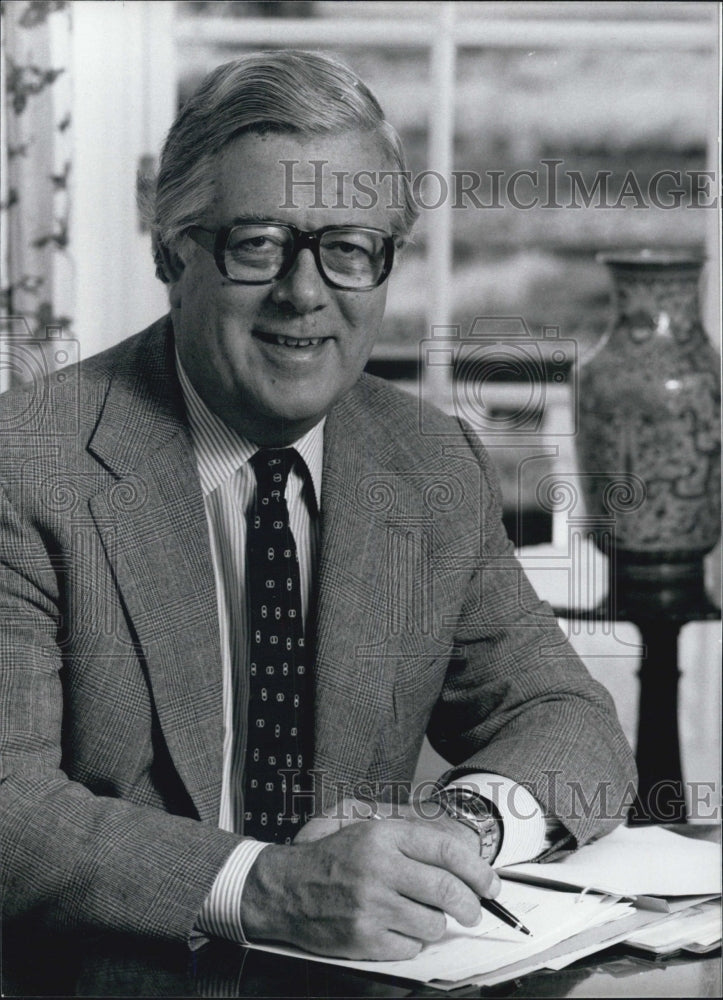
(648, 440)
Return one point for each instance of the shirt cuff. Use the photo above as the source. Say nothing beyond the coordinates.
(220, 914)
(526, 830)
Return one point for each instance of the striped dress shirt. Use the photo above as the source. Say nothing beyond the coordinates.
(228, 484)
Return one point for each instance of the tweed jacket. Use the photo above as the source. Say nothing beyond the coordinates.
(111, 695)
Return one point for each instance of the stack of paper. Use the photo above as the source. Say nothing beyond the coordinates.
(466, 952)
(643, 885)
(666, 875)
(697, 929)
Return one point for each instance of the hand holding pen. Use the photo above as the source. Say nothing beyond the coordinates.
(498, 910)
(471, 810)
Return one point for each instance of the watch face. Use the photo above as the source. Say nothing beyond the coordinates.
(476, 812)
(490, 840)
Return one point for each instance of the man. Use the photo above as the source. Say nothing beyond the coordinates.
(157, 703)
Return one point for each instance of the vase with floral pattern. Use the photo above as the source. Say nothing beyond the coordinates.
(649, 432)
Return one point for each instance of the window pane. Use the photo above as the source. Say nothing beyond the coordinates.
(593, 128)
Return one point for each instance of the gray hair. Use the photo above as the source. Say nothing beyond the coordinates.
(302, 93)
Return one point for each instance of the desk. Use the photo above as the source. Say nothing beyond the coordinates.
(127, 968)
(114, 966)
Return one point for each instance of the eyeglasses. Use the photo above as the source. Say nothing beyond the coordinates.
(256, 253)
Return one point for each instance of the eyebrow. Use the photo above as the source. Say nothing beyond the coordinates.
(255, 217)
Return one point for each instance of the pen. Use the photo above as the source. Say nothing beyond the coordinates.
(481, 825)
(498, 910)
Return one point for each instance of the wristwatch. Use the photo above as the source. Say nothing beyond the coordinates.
(477, 813)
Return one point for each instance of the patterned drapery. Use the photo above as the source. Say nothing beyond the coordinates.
(35, 146)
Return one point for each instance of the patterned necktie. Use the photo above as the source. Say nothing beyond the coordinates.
(277, 679)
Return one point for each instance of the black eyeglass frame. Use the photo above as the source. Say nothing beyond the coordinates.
(215, 242)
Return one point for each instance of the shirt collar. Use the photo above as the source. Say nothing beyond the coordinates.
(220, 450)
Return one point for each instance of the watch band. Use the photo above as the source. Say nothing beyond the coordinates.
(476, 813)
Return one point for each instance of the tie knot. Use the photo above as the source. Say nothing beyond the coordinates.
(272, 467)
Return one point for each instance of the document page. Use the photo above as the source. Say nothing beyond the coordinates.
(464, 951)
(699, 925)
(633, 861)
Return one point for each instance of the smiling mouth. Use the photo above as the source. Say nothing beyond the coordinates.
(295, 342)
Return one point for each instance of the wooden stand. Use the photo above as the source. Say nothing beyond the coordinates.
(661, 796)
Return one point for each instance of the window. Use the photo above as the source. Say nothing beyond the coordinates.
(548, 131)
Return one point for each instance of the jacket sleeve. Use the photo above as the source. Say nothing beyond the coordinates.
(518, 701)
(70, 859)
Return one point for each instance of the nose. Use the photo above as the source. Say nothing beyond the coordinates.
(303, 287)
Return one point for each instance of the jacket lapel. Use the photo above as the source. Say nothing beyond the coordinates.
(153, 525)
(366, 507)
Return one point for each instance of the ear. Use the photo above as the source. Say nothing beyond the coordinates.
(169, 265)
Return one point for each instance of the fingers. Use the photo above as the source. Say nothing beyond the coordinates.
(439, 867)
(412, 919)
(369, 890)
(430, 870)
(439, 891)
(444, 851)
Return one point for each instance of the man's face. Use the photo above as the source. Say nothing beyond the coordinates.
(227, 333)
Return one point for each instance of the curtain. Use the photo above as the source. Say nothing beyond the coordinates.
(36, 283)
